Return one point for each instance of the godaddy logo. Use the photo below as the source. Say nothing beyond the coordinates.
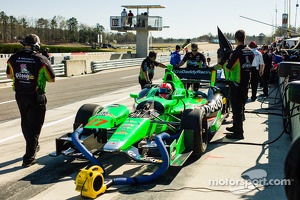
(251, 180)
(191, 71)
(22, 76)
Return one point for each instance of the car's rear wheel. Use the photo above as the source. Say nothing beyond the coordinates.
(84, 113)
(195, 120)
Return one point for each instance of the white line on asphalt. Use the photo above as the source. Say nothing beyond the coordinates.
(10, 138)
(55, 122)
(129, 76)
(4, 102)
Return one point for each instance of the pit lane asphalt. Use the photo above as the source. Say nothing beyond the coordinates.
(69, 90)
(53, 178)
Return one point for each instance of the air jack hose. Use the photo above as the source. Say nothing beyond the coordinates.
(88, 155)
(164, 166)
(130, 180)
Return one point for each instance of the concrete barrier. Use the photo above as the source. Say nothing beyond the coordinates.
(79, 64)
(76, 67)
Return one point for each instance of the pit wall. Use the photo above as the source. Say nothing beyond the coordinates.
(79, 64)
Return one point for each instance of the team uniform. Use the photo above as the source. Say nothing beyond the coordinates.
(194, 62)
(30, 72)
(147, 65)
(239, 65)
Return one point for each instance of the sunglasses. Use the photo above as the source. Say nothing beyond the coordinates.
(194, 50)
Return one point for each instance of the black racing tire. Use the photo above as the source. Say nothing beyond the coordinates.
(195, 120)
(84, 113)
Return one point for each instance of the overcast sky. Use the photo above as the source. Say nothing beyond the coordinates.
(186, 19)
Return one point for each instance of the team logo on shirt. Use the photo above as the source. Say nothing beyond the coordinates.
(24, 74)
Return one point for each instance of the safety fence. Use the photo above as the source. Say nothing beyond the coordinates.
(5, 55)
(59, 70)
(96, 66)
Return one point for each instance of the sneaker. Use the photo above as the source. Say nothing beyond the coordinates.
(28, 164)
(230, 129)
(235, 136)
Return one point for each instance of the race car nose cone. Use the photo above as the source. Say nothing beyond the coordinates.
(112, 146)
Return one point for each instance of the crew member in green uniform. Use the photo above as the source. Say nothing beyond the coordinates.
(30, 71)
(238, 66)
(194, 60)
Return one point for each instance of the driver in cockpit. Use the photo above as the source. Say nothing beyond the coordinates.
(165, 90)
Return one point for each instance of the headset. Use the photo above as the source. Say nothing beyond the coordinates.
(32, 40)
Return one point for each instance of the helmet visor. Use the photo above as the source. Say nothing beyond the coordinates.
(164, 91)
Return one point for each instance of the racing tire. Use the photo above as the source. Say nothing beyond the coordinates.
(84, 113)
(195, 120)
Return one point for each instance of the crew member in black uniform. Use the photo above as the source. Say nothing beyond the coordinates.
(147, 69)
(195, 60)
(238, 65)
(30, 70)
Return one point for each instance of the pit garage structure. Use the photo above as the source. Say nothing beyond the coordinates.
(142, 23)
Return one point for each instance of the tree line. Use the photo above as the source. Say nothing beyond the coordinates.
(56, 30)
(61, 30)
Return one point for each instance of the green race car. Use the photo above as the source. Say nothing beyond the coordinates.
(164, 128)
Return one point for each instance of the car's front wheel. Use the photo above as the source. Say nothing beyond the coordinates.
(84, 113)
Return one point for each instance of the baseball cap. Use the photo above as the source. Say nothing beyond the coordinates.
(252, 44)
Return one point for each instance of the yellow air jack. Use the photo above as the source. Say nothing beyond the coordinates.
(90, 182)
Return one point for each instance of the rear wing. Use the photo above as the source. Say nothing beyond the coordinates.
(201, 75)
